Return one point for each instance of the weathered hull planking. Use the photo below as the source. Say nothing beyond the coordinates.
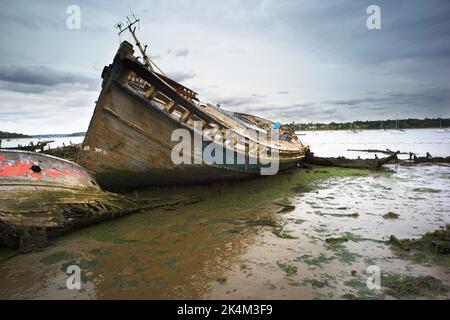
(128, 143)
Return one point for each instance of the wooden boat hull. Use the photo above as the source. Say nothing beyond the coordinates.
(128, 143)
(43, 196)
(36, 191)
(24, 170)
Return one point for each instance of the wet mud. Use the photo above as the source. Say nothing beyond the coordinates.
(304, 234)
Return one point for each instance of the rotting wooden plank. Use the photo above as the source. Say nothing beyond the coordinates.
(185, 116)
(150, 93)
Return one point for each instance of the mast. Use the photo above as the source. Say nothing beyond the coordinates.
(132, 29)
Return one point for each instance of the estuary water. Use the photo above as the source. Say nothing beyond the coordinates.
(267, 238)
(334, 143)
(418, 141)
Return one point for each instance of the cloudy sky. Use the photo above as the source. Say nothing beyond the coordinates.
(293, 60)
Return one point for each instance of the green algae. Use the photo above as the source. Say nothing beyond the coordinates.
(428, 190)
(100, 251)
(391, 215)
(6, 253)
(86, 266)
(286, 208)
(281, 233)
(57, 257)
(348, 236)
(316, 283)
(435, 242)
(343, 254)
(339, 215)
(336, 239)
(433, 248)
(289, 270)
(263, 222)
(257, 193)
(315, 262)
(360, 291)
(407, 286)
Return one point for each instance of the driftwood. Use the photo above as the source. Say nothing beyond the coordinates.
(31, 146)
(425, 160)
(69, 152)
(387, 151)
(349, 163)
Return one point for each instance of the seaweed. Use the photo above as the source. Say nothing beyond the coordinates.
(288, 269)
(391, 215)
(280, 233)
(435, 242)
(56, 257)
(336, 239)
(317, 261)
(407, 286)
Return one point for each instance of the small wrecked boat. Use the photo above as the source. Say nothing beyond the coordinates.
(43, 196)
(29, 147)
(130, 140)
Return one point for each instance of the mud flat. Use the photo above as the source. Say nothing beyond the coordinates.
(263, 238)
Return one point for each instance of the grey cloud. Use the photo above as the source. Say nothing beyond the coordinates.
(326, 56)
(233, 102)
(37, 78)
(258, 95)
(424, 97)
(181, 76)
(181, 53)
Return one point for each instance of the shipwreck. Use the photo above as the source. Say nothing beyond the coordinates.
(128, 143)
(42, 196)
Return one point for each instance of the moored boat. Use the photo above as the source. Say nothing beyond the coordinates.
(130, 142)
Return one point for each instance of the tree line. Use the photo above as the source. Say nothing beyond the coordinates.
(12, 135)
(377, 124)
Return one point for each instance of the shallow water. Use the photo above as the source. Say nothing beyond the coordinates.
(212, 249)
(337, 143)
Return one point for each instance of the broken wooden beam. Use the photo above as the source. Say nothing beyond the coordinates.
(348, 163)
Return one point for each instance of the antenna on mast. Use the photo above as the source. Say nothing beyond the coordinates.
(132, 29)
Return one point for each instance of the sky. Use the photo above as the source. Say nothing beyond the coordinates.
(286, 60)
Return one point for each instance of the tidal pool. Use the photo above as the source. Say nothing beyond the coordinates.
(304, 234)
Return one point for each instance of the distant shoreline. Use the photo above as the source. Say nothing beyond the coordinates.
(12, 135)
(388, 129)
(434, 123)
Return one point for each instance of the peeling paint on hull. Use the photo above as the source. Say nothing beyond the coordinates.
(128, 143)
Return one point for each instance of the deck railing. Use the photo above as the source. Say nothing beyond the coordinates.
(180, 106)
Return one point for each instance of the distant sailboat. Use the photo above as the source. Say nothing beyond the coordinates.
(441, 130)
(397, 129)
